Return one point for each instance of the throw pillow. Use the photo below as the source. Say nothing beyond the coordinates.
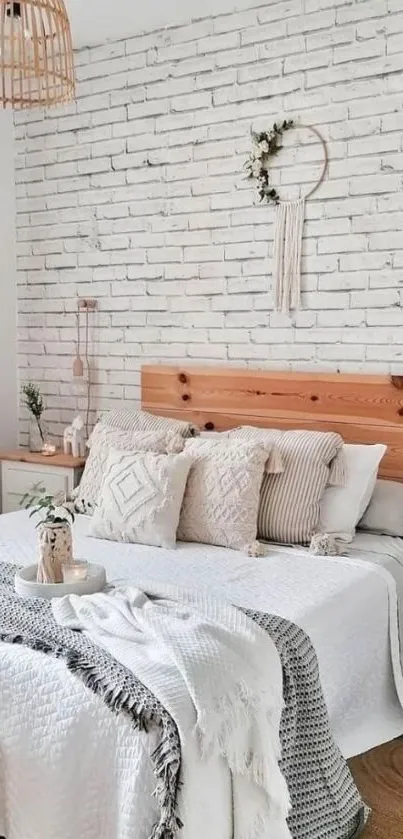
(342, 507)
(222, 493)
(141, 498)
(290, 501)
(385, 511)
(102, 439)
(130, 420)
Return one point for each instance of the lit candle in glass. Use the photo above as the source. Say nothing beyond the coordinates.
(76, 571)
(48, 449)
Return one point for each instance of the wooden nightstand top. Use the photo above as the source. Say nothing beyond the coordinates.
(66, 461)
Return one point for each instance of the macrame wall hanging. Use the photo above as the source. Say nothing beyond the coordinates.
(290, 215)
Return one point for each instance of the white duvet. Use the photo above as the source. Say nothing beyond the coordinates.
(56, 736)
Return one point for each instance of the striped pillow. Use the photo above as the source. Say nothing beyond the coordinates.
(128, 420)
(290, 501)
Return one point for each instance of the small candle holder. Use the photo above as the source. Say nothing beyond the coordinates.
(74, 572)
(48, 449)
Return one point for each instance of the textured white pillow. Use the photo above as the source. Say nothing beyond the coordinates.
(222, 494)
(141, 498)
(342, 507)
(102, 440)
(385, 511)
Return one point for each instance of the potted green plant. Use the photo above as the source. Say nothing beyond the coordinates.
(33, 400)
(55, 542)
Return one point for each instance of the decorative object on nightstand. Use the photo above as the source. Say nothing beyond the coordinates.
(49, 449)
(74, 438)
(22, 471)
(33, 401)
(55, 540)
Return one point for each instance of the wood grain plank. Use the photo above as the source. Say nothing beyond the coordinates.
(362, 409)
(271, 394)
(379, 777)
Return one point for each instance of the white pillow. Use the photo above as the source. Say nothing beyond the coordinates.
(342, 507)
(141, 498)
(385, 511)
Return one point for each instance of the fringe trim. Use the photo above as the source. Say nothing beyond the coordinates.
(289, 223)
(164, 758)
(226, 729)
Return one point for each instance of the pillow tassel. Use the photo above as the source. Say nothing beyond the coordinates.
(255, 549)
(324, 544)
(275, 464)
(338, 470)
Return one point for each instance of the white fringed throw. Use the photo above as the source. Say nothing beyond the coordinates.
(287, 254)
(215, 671)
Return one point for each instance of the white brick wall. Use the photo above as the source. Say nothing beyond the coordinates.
(136, 196)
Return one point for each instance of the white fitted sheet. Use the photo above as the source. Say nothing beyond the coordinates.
(344, 603)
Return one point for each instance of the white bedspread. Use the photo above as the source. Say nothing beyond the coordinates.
(347, 606)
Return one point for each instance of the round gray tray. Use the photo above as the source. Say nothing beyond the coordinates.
(26, 585)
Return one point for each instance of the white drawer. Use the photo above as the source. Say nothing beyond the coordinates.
(19, 479)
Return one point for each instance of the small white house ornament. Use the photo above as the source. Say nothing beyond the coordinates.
(74, 438)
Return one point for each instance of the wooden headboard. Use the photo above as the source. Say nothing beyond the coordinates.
(363, 409)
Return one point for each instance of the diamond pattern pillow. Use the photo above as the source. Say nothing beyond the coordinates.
(222, 494)
(102, 439)
(141, 498)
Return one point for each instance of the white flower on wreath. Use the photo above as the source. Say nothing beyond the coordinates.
(257, 153)
(263, 147)
(256, 168)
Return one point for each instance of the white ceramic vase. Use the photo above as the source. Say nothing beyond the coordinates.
(55, 546)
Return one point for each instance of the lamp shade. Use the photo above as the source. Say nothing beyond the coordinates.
(36, 54)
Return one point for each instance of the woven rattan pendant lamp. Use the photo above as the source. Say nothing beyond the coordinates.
(36, 54)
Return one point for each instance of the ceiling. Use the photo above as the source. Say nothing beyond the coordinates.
(97, 21)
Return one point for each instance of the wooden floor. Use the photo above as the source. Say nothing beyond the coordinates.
(379, 776)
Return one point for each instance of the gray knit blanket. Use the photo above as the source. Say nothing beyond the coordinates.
(325, 801)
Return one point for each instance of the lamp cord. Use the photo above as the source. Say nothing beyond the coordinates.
(87, 360)
(78, 333)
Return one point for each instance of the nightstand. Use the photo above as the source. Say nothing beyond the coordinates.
(22, 471)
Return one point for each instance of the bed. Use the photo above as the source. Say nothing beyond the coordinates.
(350, 614)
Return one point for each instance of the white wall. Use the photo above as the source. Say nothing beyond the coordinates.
(97, 21)
(8, 286)
(136, 196)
